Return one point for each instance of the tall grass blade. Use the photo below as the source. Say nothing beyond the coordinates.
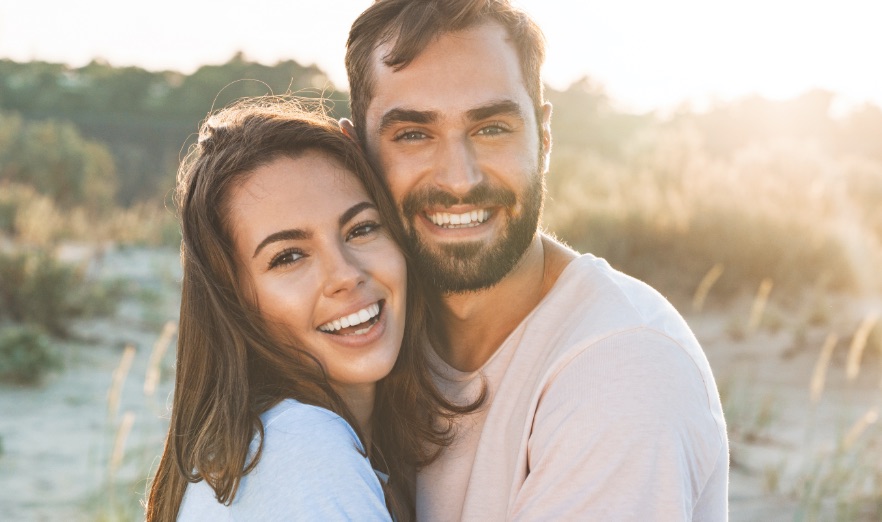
(819, 376)
(151, 379)
(114, 393)
(705, 285)
(119, 443)
(859, 427)
(858, 344)
(759, 305)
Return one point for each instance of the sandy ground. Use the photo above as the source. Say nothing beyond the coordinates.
(794, 458)
(57, 438)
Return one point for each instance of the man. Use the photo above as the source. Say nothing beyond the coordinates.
(601, 404)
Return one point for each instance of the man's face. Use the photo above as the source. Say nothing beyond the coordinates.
(456, 137)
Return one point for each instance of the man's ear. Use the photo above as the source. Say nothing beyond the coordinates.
(348, 129)
(545, 138)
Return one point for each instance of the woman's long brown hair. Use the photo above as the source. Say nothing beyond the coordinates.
(229, 370)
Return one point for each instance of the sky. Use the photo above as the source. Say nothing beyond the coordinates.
(646, 54)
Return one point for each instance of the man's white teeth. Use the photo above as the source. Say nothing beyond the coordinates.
(467, 219)
(362, 316)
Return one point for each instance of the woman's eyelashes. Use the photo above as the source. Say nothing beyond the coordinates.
(363, 229)
(286, 257)
(291, 255)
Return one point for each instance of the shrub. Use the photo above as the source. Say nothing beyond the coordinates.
(58, 161)
(25, 354)
(29, 217)
(40, 290)
(37, 289)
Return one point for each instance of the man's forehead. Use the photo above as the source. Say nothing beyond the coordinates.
(459, 70)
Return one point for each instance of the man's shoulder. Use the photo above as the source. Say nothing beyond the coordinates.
(590, 289)
(591, 302)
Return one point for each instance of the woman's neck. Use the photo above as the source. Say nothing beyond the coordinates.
(360, 401)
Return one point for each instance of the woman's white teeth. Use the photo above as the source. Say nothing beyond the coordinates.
(466, 219)
(362, 316)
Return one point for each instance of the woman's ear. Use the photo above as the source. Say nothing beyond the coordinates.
(348, 129)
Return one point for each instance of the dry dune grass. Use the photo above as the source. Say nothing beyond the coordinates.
(668, 212)
(34, 219)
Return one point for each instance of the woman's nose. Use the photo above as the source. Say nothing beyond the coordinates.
(343, 271)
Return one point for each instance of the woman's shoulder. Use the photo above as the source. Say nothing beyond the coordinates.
(311, 467)
(292, 421)
(311, 462)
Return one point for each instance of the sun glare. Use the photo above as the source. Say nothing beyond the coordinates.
(647, 55)
(651, 54)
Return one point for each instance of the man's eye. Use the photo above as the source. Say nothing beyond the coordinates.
(285, 258)
(363, 229)
(409, 135)
(492, 130)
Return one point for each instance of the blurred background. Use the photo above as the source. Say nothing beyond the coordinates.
(730, 154)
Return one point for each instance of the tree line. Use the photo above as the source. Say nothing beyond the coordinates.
(125, 128)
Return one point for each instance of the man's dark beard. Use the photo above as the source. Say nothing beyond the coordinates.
(473, 266)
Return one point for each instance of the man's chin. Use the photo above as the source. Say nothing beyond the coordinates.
(455, 268)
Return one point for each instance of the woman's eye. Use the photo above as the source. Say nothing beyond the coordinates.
(363, 229)
(285, 258)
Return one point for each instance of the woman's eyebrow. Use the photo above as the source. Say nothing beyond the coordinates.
(354, 210)
(282, 235)
(294, 234)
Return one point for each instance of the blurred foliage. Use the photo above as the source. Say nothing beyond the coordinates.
(57, 161)
(25, 354)
(39, 289)
(147, 118)
(766, 189)
(29, 217)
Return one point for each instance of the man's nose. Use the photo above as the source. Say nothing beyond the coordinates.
(457, 170)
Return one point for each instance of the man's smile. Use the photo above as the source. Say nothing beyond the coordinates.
(459, 220)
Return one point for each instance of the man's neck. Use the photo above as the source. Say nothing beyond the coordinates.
(475, 324)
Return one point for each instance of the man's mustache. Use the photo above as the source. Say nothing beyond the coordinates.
(482, 195)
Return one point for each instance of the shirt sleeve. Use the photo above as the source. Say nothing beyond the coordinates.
(311, 468)
(624, 431)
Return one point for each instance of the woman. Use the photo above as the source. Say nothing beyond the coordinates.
(301, 390)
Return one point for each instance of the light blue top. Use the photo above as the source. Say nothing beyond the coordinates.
(311, 468)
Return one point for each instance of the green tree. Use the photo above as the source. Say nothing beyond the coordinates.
(55, 159)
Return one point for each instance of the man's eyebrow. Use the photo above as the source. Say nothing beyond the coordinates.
(282, 235)
(496, 108)
(395, 116)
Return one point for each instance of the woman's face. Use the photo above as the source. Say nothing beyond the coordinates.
(321, 265)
